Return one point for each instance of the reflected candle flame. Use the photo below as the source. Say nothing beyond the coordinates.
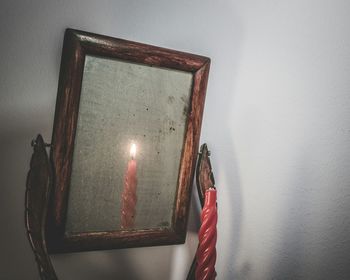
(133, 150)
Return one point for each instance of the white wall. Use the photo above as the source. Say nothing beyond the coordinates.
(276, 119)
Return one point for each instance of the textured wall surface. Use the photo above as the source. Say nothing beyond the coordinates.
(276, 119)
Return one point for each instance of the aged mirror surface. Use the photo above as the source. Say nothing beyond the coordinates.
(124, 104)
(124, 143)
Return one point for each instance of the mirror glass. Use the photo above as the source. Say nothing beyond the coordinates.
(128, 146)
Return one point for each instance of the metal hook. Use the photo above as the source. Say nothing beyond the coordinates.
(34, 143)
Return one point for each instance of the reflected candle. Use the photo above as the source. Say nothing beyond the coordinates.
(129, 198)
(206, 252)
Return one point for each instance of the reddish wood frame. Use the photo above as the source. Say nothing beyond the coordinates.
(78, 44)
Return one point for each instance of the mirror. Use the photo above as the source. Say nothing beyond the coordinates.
(124, 144)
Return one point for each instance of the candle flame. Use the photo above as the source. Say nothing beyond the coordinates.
(133, 150)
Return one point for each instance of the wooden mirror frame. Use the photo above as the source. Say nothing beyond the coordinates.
(78, 44)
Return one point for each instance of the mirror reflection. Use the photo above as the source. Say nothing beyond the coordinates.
(128, 146)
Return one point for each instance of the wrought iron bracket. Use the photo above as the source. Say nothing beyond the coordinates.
(38, 186)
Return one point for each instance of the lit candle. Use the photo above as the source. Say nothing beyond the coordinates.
(129, 198)
(206, 252)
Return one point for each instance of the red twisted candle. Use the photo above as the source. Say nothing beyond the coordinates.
(129, 198)
(206, 252)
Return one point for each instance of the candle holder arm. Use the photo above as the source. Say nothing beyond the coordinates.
(38, 187)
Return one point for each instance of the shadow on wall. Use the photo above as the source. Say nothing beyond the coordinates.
(315, 226)
(291, 249)
(114, 264)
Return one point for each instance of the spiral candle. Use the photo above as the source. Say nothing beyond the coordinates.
(206, 252)
(129, 198)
